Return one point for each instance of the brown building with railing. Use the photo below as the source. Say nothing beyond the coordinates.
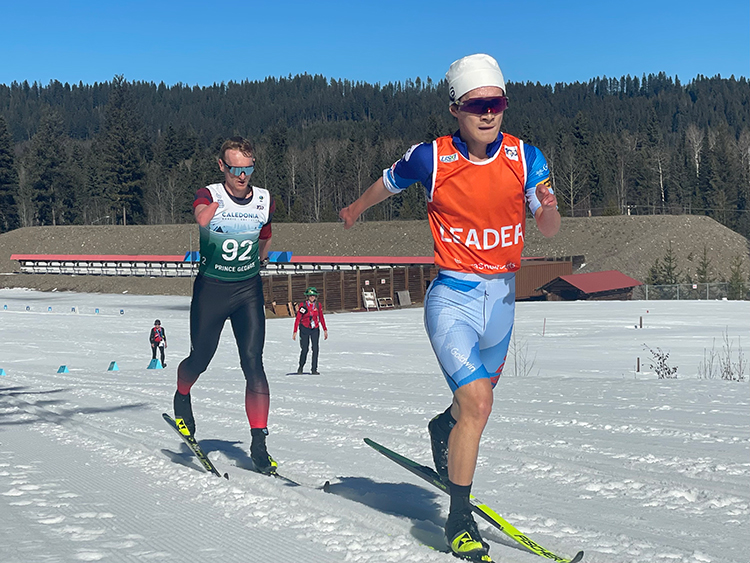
(344, 283)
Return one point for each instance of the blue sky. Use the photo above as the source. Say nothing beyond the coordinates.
(378, 41)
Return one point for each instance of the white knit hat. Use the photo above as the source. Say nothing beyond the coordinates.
(473, 71)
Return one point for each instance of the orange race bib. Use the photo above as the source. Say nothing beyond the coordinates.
(477, 210)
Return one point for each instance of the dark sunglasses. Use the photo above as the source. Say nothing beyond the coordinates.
(480, 106)
(238, 170)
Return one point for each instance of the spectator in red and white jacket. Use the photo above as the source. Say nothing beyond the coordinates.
(158, 339)
(309, 320)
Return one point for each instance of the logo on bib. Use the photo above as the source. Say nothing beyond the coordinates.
(511, 153)
(449, 158)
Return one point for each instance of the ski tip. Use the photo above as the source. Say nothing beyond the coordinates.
(577, 558)
(327, 487)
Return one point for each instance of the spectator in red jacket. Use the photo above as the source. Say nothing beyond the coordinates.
(158, 339)
(309, 320)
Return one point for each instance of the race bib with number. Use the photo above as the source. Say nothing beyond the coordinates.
(229, 245)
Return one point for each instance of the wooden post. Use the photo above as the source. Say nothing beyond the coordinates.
(324, 292)
(638, 365)
(641, 324)
(343, 302)
(359, 290)
(289, 287)
(391, 282)
(421, 283)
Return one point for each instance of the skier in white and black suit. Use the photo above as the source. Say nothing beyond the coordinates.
(235, 236)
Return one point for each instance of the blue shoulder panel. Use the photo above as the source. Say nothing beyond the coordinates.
(415, 166)
(536, 166)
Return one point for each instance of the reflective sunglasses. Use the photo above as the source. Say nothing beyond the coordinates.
(238, 170)
(481, 106)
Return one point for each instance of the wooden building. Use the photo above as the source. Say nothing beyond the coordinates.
(610, 284)
(535, 272)
(342, 283)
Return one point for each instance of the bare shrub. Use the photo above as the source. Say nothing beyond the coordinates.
(523, 362)
(707, 369)
(722, 364)
(659, 364)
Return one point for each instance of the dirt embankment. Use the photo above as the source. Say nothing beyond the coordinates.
(628, 244)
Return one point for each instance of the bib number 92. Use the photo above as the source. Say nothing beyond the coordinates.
(233, 250)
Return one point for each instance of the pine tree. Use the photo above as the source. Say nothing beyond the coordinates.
(275, 159)
(48, 171)
(8, 179)
(724, 180)
(703, 272)
(122, 172)
(669, 272)
(737, 286)
(654, 276)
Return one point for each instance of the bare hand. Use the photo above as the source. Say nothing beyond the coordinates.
(348, 217)
(547, 217)
(294, 336)
(325, 335)
(545, 196)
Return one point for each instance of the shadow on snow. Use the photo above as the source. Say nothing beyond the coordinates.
(13, 406)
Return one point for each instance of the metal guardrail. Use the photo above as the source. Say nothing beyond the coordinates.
(152, 269)
(167, 269)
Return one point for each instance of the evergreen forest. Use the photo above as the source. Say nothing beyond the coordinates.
(135, 152)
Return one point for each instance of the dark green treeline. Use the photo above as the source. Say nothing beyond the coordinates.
(135, 152)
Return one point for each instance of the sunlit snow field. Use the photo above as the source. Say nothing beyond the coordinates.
(582, 450)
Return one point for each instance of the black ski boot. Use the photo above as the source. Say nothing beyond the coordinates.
(263, 462)
(184, 410)
(440, 428)
(463, 537)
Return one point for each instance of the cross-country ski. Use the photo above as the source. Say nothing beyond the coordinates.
(479, 508)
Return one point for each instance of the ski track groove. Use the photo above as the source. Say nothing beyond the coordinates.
(248, 498)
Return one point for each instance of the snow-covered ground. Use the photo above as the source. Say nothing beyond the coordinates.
(581, 452)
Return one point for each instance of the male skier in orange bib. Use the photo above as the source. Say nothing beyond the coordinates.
(479, 182)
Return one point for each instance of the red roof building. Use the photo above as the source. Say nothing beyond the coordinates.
(610, 284)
